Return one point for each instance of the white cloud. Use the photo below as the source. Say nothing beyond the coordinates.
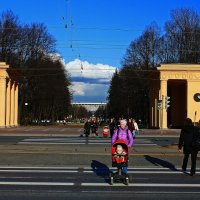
(96, 88)
(78, 68)
(89, 89)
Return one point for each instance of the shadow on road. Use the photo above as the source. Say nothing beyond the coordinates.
(101, 170)
(160, 162)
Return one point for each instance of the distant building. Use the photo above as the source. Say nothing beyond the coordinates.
(92, 107)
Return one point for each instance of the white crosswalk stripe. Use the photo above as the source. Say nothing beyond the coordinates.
(80, 141)
(10, 174)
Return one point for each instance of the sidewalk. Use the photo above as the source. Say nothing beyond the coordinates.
(160, 132)
(76, 131)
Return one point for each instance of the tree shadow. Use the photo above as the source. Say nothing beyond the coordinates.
(160, 162)
(101, 170)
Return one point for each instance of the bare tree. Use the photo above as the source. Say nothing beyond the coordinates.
(183, 32)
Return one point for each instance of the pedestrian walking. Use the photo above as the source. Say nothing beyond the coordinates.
(135, 128)
(130, 125)
(122, 132)
(86, 128)
(187, 135)
(94, 127)
(112, 126)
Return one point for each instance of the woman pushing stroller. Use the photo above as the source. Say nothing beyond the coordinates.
(122, 136)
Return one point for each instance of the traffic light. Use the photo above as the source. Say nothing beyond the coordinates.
(159, 104)
(167, 101)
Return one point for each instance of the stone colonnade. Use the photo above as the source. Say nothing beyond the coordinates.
(8, 98)
(182, 103)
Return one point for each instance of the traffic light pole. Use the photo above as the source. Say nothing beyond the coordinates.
(156, 110)
(162, 110)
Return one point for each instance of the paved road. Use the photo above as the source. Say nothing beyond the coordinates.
(38, 166)
(93, 182)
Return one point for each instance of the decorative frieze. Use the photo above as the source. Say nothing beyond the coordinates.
(180, 75)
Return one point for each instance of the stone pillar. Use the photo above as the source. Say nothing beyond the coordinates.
(163, 112)
(12, 104)
(193, 107)
(8, 103)
(16, 105)
(2, 101)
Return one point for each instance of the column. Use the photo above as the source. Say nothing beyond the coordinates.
(16, 105)
(2, 101)
(8, 103)
(12, 103)
(163, 93)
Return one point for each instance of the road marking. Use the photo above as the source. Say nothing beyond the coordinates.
(143, 185)
(141, 172)
(36, 183)
(139, 192)
(52, 143)
(89, 142)
(19, 167)
(39, 171)
(45, 130)
(62, 130)
(45, 139)
(30, 129)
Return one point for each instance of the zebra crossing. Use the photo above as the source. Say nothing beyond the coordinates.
(79, 141)
(142, 177)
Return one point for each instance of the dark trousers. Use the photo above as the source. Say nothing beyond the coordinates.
(111, 132)
(193, 161)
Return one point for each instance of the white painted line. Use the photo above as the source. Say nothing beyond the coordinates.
(143, 185)
(36, 183)
(89, 142)
(144, 144)
(45, 139)
(141, 192)
(30, 129)
(25, 167)
(50, 143)
(62, 130)
(143, 172)
(45, 130)
(39, 171)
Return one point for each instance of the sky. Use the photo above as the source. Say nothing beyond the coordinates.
(92, 35)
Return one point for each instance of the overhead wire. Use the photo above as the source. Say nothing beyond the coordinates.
(100, 29)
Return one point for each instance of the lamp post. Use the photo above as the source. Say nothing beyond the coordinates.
(26, 113)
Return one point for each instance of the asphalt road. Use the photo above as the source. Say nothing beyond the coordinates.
(37, 163)
(93, 182)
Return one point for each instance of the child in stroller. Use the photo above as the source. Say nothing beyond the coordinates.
(120, 154)
(119, 160)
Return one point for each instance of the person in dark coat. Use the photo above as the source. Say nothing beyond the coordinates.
(87, 127)
(94, 127)
(112, 126)
(185, 140)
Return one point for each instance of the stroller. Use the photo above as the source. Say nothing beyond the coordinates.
(119, 160)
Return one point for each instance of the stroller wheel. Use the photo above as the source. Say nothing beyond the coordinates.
(127, 181)
(111, 180)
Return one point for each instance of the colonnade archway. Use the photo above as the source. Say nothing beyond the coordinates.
(180, 82)
(8, 97)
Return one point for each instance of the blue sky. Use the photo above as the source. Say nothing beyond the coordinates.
(93, 35)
